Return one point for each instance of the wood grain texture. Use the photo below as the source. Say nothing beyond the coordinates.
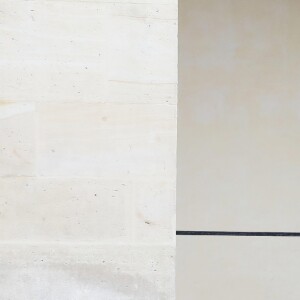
(88, 98)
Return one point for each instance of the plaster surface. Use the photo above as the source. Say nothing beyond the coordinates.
(237, 268)
(239, 121)
(238, 149)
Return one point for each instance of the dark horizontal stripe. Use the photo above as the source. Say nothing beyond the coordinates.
(237, 233)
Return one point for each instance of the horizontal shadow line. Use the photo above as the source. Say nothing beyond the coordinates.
(237, 233)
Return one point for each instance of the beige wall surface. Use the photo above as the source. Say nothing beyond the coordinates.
(235, 268)
(238, 148)
(87, 154)
(239, 115)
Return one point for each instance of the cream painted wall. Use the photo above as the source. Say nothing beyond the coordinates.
(88, 93)
(239, 115)
(238, 148)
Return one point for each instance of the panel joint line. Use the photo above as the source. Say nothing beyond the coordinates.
(237, 233)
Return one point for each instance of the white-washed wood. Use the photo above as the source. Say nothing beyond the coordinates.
(17, 139)
(83, 272)
(67, 51)
(107, 140)
(87, 154)
(65, 210)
